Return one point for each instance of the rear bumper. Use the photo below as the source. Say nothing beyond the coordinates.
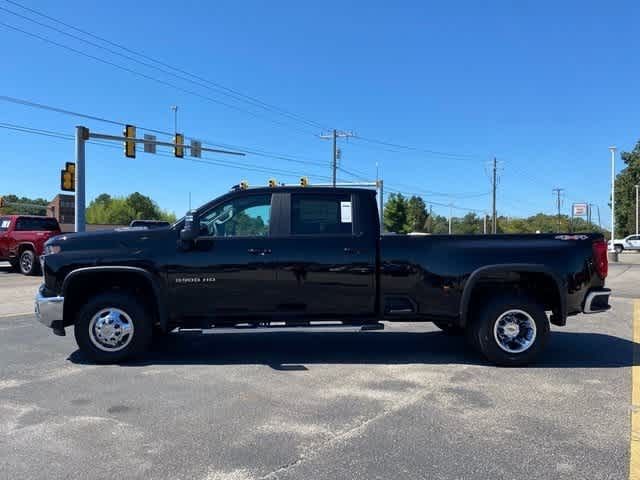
(48, 309)
(597, 301)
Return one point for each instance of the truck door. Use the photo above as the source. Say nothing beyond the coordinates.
(230, 271)
(326, 255)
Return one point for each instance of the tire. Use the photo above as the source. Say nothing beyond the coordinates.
(118, 313)
(618, 248)
(490, 332)
(449, 329)
(27, 262)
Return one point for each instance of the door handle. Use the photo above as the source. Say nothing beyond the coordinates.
(259, 251)
(351, 251)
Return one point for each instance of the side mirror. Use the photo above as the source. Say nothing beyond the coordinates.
(191, 229)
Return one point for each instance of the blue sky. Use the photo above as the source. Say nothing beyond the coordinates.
(544, 86)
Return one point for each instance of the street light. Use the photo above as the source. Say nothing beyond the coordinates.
(612, 149)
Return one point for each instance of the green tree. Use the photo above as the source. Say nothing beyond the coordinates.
(625, 192)
(416, 214)
(469, 224)
(439, 225)
(395, 214)
(105, 209)
(23, 205)
(144, 207)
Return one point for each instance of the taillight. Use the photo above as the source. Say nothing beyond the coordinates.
(600, 258)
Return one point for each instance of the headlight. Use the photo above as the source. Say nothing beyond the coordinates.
(49, 249)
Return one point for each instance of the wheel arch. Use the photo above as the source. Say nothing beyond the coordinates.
(22, 246)
(91, 280)
(501, 272)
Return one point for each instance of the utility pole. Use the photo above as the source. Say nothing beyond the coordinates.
(450, 216)
(558, 192)
(485, 223)
(612, 149)
(495, 176)
(637, 209)
(333, 136)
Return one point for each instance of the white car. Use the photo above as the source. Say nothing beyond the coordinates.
(632, 242)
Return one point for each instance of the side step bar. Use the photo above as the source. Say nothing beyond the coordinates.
(282, 327)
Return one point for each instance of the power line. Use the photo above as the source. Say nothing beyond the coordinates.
(454, 206)
(187, 76)
(201, 81)
(253, 151)
(152, 78)
(206, 160)
(418, 149)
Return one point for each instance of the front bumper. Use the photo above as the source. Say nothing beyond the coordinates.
(597, 301)
(48, 309)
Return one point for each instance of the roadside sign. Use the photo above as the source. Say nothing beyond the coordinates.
(580, 209)
(196, 148)
(149, 146)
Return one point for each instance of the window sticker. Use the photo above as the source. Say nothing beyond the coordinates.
(345, 212)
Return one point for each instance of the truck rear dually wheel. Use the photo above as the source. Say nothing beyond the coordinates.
(28, 262)
(112, 327)
(510, 330)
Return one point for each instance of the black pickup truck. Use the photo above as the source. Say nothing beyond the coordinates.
(307, 258)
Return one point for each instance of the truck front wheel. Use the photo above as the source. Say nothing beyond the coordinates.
(112, 327)
(510, 330)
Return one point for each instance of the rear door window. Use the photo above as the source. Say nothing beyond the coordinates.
(321, 214)
(31, 224)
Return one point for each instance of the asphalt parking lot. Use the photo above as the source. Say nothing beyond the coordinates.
(408, 402)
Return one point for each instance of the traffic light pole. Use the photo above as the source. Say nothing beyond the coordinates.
(82, 135)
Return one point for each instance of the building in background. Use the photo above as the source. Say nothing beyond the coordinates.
(62, 208)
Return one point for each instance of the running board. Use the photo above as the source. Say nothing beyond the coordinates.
(277, 327)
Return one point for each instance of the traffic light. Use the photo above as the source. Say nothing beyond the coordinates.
(244, 185)
(304, 181)
(273, 183)
(129, 146)
(178, 148)
(68, 177)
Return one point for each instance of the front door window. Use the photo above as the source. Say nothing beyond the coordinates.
(239, 217)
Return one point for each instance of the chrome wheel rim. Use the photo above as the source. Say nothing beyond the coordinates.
(515, 331)
(26, 262)
(111, 329)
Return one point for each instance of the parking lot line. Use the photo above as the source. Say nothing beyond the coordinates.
(634, 451)
(11, 315)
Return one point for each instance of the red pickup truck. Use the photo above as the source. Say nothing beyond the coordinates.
(22, 240)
